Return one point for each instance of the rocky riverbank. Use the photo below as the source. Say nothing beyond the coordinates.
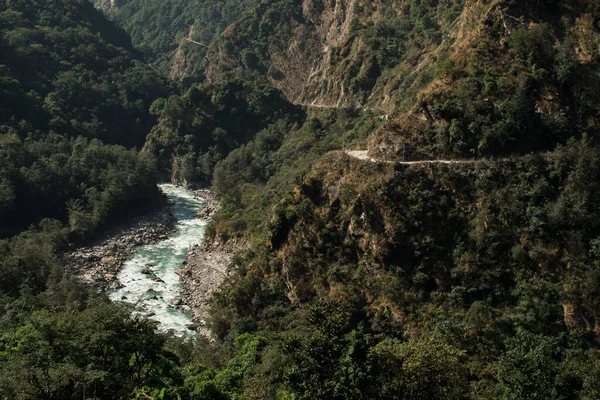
(98, 263)
(212, 205)
(206, 267)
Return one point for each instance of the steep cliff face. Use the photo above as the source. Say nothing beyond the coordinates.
(338, 53)
(307, 56)
(325, 53)
(331, 21)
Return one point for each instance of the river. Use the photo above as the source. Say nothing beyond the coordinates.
(157, 294)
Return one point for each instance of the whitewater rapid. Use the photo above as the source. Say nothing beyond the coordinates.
(158, 295)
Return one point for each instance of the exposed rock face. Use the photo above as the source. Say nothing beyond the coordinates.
(301, 59)
(332, 20)
(106, 5)
(99, 263)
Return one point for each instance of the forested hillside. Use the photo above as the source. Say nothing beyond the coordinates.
(360, 278)
(469, 280)
(70, 79)
(175, 35)
(73, 93)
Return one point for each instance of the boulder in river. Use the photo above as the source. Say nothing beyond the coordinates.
(177, 302)
(147, 271)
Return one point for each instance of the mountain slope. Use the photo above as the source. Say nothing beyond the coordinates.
(337, 53)
(78, 71)
(361, 279)
(70, 76)
(520, 78)
(381, 280)
(168, 32)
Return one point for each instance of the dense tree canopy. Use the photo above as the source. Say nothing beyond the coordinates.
(65, 68)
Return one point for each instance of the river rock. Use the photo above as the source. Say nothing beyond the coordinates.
(183, 272)
(115, 285)
(107, 260)
(177, 302)
(147, 271)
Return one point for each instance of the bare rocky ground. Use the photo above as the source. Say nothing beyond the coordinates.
(98, 263)
(206, 268)
(211, 203)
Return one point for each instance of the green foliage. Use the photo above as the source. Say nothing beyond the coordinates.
(494, 262)
(420, 368)
(69, 80)
(68, 74)
(199, 128)
(268, 23)
(23, 270)
(157, 28)
(363, 280)
(204, 383)
(78, 180)
(528, 368)
(533, 45)
(93, 349)
(66, 68)
(521, 85)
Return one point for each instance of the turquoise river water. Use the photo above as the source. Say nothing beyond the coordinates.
(156, 296)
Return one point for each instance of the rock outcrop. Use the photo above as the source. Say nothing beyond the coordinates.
(106, 5)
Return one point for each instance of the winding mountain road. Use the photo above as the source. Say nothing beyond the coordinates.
(363, 155)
